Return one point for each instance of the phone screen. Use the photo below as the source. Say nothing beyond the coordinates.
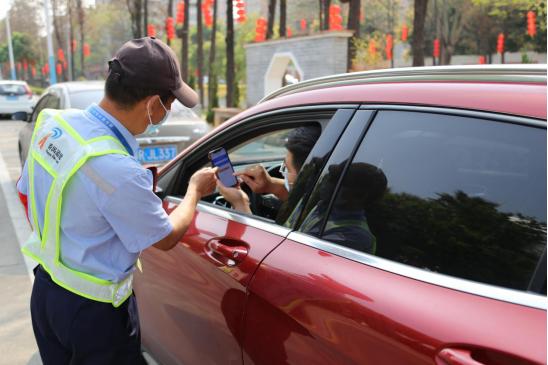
(219, 158)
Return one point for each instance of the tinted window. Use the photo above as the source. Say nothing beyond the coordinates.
(454, 195)
(83, 99)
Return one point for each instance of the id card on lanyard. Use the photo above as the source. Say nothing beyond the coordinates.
(94, 110)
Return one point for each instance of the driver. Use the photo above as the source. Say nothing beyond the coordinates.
(299, 144)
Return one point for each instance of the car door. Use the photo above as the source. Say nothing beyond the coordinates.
(429, 247)
(192, 298)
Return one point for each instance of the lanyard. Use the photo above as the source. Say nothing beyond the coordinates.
(107, 122)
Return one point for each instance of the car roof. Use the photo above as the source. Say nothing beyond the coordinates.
(18, 82)
(508, 89)
(75, 86)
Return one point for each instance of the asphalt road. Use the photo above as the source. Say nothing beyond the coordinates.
(17, 344)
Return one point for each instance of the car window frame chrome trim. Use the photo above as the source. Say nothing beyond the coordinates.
(235, 216)
(513, 296)
(493, 116)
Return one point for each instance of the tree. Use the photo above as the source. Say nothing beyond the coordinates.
(185, 49)
(453, 17)
(283, 18)
(22, 48)
(71, 47)
(230, 67)
(134, 8)
(271, 18)
(200, 51)
(81, 18)
(418, 32)
(169, 14)
(212, 75)
(145, 15)
(354, 25)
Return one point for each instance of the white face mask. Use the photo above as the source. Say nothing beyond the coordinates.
(153, 128)
(286, 184)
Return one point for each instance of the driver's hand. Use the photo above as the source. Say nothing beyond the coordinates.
(257, 178)
(235, 196)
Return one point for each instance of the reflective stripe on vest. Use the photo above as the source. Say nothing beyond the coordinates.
(61, 151)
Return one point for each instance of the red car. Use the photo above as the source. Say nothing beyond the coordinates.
(441, 170)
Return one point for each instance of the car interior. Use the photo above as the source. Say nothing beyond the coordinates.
(264, 144)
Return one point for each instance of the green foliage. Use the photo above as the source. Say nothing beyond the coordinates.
(22, 48)
(490, 17)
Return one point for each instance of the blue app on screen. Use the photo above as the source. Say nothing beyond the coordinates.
(219, 158)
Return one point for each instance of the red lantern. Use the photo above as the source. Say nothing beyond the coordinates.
(73, 46)
(240, 12)
(531, 23)
(260, 29)
(500, 43)
(59, 69)
(303, 24)
(43, 71)
(46, 68)
(404, 33)
(60, 55)
(87, 50)
(151, 30)
(482, 60)
(170, 28)
(288, 32)
(335, 18)
(436, 51)
(180, 18)
(372, 47)
(389, 45)
(65, 65)
(33, 72)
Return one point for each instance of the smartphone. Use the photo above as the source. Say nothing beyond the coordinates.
(219, 158)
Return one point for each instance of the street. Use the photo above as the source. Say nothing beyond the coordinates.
(17, 344)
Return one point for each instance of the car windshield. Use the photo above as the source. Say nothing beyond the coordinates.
(179, 111)
(12, 89)
(82, 99)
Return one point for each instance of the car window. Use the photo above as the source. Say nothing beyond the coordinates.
(265, 148)
(268, 150)
(54, 101)
(455, 195)
(83, 99)
(42, 104)
(179, 111)
(12, 89)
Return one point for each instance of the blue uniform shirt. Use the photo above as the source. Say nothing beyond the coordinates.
(110, 213)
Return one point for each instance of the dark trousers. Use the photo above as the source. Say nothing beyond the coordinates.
(71, 329)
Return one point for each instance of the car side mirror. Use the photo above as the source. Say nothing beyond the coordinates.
(20, 116)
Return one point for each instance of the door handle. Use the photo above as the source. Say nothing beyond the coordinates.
(226, 251)
(456, 357)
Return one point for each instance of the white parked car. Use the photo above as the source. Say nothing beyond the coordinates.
(15, 96)
(181, 129)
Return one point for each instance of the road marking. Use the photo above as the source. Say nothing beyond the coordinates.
(16, 212)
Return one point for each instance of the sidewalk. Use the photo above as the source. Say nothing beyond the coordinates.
(17, 344)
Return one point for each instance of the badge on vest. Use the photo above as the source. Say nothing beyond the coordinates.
(50, 147)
